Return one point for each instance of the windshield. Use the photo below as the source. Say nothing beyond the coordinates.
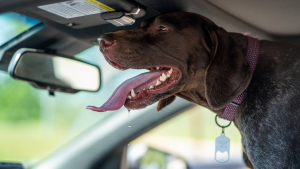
(13, 24)
(33, 124)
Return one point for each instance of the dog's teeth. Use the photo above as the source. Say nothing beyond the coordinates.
(132, 93)
(169, 73)
(163, 77)
(151, 87)
(129, 97)
(157, 68)
(158, 83)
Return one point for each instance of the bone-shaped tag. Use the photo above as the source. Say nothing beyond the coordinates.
(222, 148)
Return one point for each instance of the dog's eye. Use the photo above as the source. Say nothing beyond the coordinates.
(162, 28)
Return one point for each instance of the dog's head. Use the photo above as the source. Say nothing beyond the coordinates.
(200, 61)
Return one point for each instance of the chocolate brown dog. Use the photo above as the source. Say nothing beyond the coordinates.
(191, 57)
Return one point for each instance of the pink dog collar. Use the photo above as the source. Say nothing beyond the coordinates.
(252, 56)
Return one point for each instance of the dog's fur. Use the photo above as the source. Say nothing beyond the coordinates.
(214, 71)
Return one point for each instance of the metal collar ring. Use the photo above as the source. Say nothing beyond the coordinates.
(221, 125)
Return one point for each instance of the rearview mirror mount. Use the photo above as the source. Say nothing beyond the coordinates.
(54, 72)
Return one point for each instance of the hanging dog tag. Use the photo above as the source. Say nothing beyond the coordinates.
(222, 145)
(222, 148)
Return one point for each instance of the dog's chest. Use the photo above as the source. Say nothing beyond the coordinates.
(270, 136)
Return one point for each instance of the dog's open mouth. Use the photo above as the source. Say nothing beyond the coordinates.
(163, 79)
(142, 88)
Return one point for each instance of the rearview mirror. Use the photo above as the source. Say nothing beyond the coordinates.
(54, 72)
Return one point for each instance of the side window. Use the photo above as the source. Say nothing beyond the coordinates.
(185, 141)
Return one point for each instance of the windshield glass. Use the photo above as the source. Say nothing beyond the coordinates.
(33, 124)
(13, 24)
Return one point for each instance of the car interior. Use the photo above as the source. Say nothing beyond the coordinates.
(51, 68)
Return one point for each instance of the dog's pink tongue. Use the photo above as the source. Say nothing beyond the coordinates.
(118, 98)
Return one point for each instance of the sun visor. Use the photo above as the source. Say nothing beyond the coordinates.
(87, 13)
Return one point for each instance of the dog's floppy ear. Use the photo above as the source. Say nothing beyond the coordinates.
(165, 102)
(228, 73)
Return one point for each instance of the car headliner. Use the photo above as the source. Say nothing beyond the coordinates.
(278, 19)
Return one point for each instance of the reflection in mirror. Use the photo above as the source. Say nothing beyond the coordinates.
(57, 71)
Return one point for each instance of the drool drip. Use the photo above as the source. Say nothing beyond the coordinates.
(129, 125)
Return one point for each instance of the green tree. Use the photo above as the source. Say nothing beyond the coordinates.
(18, 101)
